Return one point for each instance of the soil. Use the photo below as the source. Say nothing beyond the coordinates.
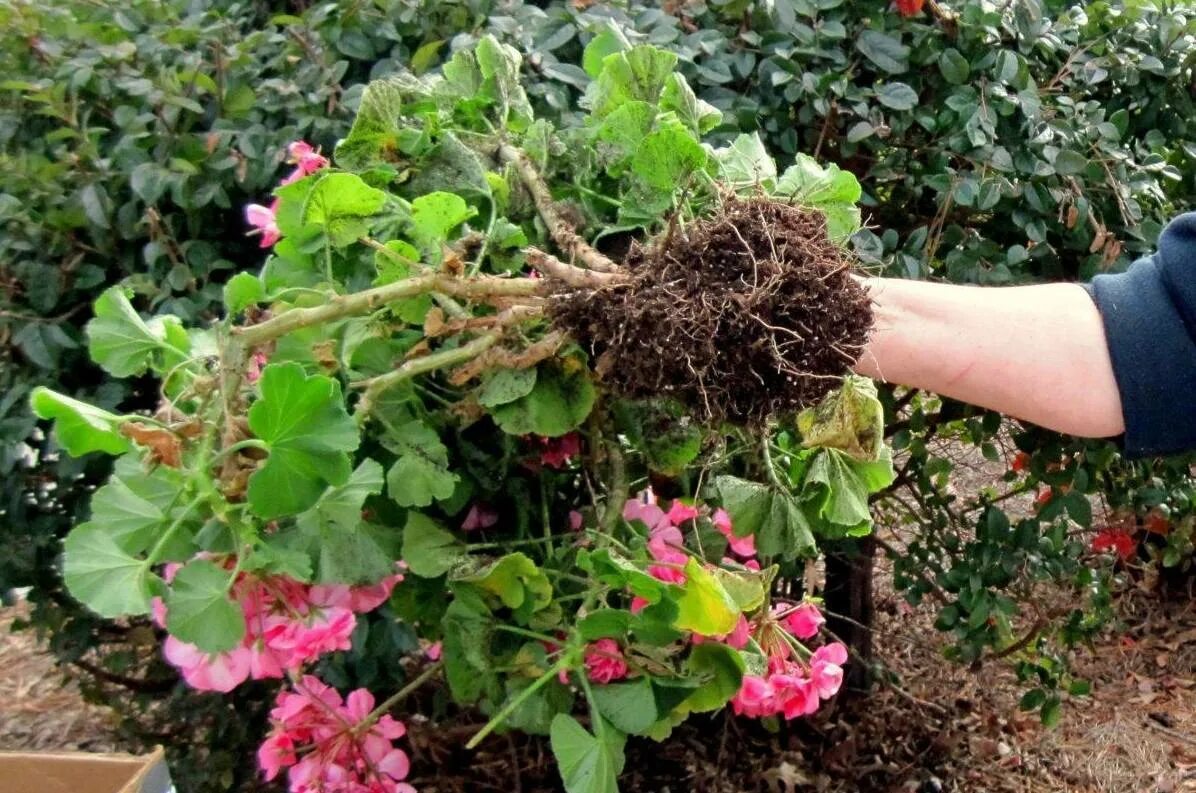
(749, 313)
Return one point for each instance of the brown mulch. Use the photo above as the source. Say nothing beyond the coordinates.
(40, 707)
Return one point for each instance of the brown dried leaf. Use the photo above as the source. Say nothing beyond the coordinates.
(165, 447)
(1073, 216)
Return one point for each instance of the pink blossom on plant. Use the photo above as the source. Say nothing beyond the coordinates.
(741, 546)
(576, 520)
(795, 694)
(648, 514)
(604, 661)
(479, 516)
(738, 638)
(557, 452)
(308, 158)
(329, 745)
(638, 604)
(679, 512)
(804, 620)
(253, 370)
(826, 668)
(433, 651)
(264, 221)
(208, 672)
(755, 698)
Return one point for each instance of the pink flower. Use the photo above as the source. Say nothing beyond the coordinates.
(754, 699)
(604, 661)
(264, 221)
(304, 155)
(253, 370)
(795, 695)
(275, 753)
(557, 452)
(479, 517)
(576, 520)
(741, 546)
(217, 672)
(433, 651)
(638, 604)
(680, 512)
(665, 546)
(805, 620)
(826, 669)
(342, 745)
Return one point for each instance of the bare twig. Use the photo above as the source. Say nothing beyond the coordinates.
(567, 273)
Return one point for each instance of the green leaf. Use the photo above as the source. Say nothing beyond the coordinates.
(451, 166)
(304, 421)
(434, 215)
(1070, 163)
(500, 64)
(199, 611)
(698, 115)
(774, 517)
(721, 670)
(617, 572)
(1033, 699)
(830, 189)
(506, 385)
(604, 623)
(954, 67)
(630, 707)
(557, 404)
(421, 474)
(340, 204)
(621, 134)
(897, 96)
(125, 345)
(837, 489)
(605, 43)
(746, 164)
(587, 764)
(745, 587)
(242, 291)
(636, 74)
(132, 505)
(468, 628)
(659, 427)
(850, 419)
(376, 126)
(665, 160)
(515, 580)
(101, 574)
(1052, 710)
(344, 547)
(704, 606)
(80, 428)
(428, 549)
(887, 52)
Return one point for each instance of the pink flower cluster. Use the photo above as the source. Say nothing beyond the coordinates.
(287, 625)
(330, 745)
(604, 661)
(307, 160)
(665, 541)
(792, 687)
(557, 452)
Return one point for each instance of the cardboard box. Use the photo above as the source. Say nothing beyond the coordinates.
(80, 772)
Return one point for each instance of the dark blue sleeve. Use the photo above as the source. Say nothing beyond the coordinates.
(1149, 314)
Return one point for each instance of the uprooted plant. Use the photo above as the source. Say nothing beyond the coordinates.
(437, 408)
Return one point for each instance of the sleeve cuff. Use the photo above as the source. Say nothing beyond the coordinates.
(1154, 359)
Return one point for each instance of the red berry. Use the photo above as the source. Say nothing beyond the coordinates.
(909, 8)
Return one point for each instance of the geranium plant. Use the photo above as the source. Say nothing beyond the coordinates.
(562, 395)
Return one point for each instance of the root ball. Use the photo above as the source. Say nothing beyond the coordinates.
(747, 314)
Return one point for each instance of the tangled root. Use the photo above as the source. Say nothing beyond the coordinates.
(741, 316)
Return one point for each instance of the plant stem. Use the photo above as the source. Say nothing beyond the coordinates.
(450, 306)
(616, 490)
(514, 704)
(558, 228)
(400, 695)
(152, 558)
(370, 299)
(375, 386)
(540, 637)
(770, 468)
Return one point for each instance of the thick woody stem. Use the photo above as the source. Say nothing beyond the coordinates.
(559, 229)
(370, 299)
(568, 274)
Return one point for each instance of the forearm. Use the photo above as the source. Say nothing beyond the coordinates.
(1037, 353)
